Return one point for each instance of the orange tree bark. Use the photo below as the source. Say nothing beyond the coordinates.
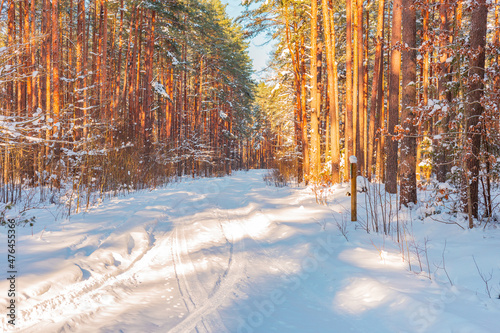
(393, 111)
(377, 84)
(329, 37)
(474, 109)
(349, 149)
(315, 102)
(408, 193)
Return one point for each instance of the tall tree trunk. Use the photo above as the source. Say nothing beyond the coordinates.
(27, 94)
(426, 47)
(409, 143)
(376, 103)
(11, 30)
(355, 77)
(360, 137)
(474, 109)
(295, 53)
(329, 36)
(55, 67)
(33, 55)
(303, 103)
(104, 56)
(391, 185)
(117, 113)
(315, 102)
(497, 57)
(127, 76)
(445, 37)
(366, 56)
(47, 64)
(80, 57)
(349, 149)
(21, 59)
(148, 80)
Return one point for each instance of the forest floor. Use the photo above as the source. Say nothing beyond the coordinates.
(235, 255)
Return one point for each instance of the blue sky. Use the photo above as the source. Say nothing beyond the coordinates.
(257, 51)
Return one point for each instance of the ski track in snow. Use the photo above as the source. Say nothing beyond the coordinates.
(203, 310)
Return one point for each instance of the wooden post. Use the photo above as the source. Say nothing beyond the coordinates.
(354, 192)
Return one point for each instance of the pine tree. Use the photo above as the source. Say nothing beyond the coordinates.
(393, 109)
(409, 143)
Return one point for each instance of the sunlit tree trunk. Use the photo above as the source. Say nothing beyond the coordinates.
(147, 109)
(474, 109)
(295, 53)
(55, 67)
(355, 77)
(365, 92)
(11, 31)
(393, 111)
(361, 118)
(349, 148)
(443, 90)
(408, 193)
(315, 101)
(117, 106)
(329, 37)
(80, 31)
(376, 103)
(103, 52)
(303, 103)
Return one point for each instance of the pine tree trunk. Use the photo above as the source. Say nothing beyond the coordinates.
(329, 36)
(11, 30)
(348, 131)
(80, 29)
(127, 77)
(360, 137)
(377, 84)
(474, 109)
(443, 90)
(393, 112)
(56, 65)
(355, 77)
(409, 143)
(303, 103)
(148, 80)
(104, 62)
(27, 94)
(117, 110)
(315, 102)
(296, 63)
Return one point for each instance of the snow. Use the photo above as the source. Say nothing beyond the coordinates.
(234, 255)
(160, 89)
(222, 115)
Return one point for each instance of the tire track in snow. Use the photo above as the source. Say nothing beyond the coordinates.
(207, 311)
(180, 277)
(180, 273)
(231, 251)
(189, 284)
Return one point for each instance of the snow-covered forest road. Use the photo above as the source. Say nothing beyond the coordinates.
(234, 255)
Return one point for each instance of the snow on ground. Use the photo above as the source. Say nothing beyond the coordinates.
(234, 255)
